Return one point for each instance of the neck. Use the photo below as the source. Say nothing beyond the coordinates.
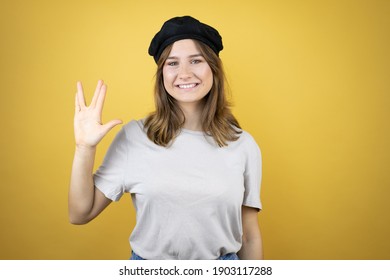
(192, 113)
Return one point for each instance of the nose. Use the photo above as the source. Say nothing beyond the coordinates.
(184, 72)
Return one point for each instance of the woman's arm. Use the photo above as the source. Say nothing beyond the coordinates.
(85, 201)
(252, 245)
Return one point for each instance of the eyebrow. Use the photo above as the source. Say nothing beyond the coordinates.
(190, 56)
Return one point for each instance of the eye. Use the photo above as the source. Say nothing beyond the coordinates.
(171, 63)
(196, 61)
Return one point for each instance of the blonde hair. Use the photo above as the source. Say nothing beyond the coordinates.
(164, 124)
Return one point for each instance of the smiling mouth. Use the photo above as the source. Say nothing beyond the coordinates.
(187, 86)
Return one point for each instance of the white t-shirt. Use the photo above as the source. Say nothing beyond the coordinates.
(187, 196)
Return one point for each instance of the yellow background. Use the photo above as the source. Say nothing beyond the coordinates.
(309, 80)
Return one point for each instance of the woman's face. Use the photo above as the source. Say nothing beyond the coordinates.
(187, 76)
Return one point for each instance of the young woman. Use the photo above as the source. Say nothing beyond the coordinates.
(192, 172)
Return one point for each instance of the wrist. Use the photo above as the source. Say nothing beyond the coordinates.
(81, 148)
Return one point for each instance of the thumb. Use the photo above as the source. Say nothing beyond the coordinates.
(110, 125)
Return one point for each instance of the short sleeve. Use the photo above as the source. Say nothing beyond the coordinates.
(252, 174)
(109, 178)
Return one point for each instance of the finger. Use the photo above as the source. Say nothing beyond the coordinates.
(101, 98)
(80, 95)
(110, 125)
(97, 92)
(77, 105)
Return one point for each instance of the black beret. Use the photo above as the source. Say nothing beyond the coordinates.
(186, 27)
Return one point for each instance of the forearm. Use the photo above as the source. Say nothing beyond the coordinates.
(251, 249)
(82, 189)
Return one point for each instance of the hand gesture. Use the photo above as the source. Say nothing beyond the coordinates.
(88, 127)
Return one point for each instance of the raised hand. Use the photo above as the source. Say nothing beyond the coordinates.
(88, 127)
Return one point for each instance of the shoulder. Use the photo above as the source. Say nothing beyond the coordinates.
(134, 127)
(134, 132)
(249, 142)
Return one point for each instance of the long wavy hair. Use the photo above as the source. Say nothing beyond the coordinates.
(164, 124)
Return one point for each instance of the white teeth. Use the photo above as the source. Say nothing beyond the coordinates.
(187, 86)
